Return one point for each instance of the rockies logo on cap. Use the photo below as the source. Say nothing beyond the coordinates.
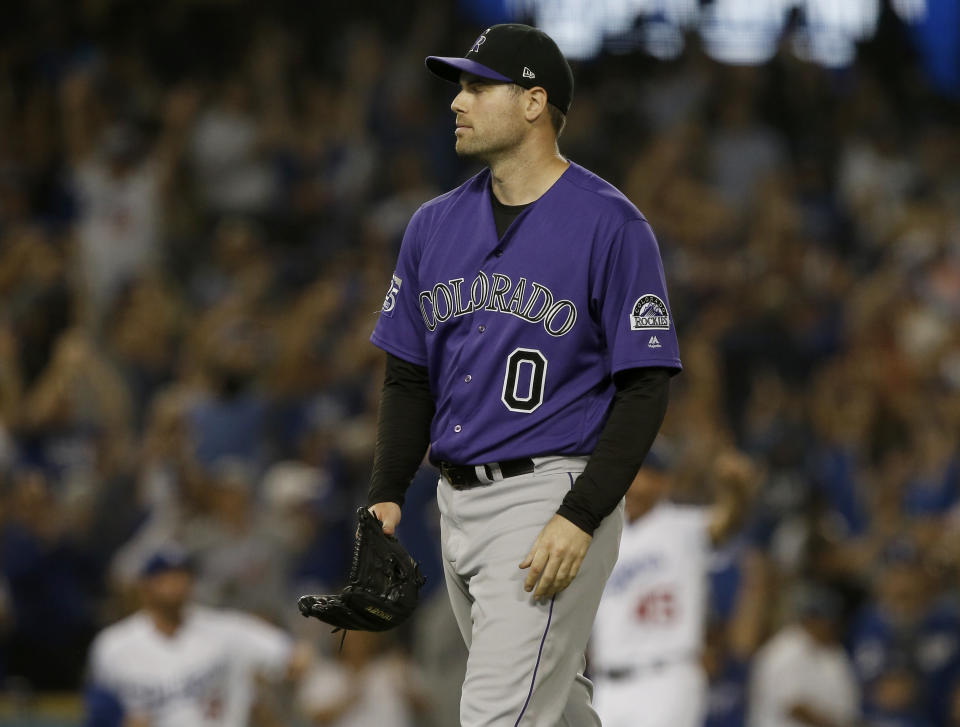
(479, 42)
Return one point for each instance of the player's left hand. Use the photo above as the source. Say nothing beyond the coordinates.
(555, 558)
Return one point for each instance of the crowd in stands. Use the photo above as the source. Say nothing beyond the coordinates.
(200, 208)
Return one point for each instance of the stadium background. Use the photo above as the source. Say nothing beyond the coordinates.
(200, 205)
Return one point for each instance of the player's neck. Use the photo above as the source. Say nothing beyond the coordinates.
(166, 622)
(524, 175)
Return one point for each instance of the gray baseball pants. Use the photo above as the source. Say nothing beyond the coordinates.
(526, 657)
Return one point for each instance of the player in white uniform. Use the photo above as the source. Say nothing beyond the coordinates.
(649, 631)
(174, 664)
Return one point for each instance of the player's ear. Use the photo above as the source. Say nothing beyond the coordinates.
(536, 104)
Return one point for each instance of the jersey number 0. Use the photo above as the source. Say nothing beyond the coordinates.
(525, 366)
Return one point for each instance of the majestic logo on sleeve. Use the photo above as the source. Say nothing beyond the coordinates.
(390, 301)
(528, 300)
(649, 314)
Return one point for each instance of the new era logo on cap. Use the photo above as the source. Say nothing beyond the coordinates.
(527, 73)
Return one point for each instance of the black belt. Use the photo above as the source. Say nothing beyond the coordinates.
(630, 671)
(462, 476)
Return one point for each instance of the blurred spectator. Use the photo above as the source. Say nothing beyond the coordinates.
(648, 638)
(37, 307)
(77, 411)
(121, 179)
(228, 418)
(174, 663)
(239, 273)
(240, 561)
(51, 584)
(743, 152)
(731, 643)
(441, 658)
(142, 331)
(895, 696)
(907, 624)
(169, 485)
(366, 684)
(802, 676)
(313, 549)
(233, 173)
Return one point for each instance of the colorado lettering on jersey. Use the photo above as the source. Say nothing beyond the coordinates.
(499, 293)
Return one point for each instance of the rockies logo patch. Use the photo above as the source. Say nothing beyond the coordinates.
(649, 314)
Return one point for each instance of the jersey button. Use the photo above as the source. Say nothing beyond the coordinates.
(481, 328)
(457, 428)
(468, 378)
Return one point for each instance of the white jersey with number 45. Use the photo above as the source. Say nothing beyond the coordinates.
(202, 676)
(653, 606)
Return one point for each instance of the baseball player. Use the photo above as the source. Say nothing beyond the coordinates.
(529, 344)
(172, 664)
(645, 654)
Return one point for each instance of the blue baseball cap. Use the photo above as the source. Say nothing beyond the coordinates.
(661, 457)
(168, 558)
(513, 53)
(656, 462)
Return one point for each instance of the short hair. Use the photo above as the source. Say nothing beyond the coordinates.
(558, 119)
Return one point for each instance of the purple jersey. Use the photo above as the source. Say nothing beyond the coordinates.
(521, 335)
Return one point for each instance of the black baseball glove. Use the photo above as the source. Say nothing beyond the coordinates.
(383, 588)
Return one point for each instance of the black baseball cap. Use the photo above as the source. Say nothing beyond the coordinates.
(513, 53)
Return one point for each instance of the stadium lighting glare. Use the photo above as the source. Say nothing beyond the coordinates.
(743, 32)
(912, 11)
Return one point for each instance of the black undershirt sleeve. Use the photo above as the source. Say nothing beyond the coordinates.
(403, 430)
(635, 418)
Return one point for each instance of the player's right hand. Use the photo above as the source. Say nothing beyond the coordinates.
(389, 514)
(555, 558)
